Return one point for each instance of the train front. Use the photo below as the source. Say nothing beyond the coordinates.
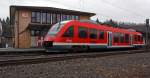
(52, 35)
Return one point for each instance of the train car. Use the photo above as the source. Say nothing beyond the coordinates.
(84, 35)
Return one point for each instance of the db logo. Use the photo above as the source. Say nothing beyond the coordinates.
(68, 40)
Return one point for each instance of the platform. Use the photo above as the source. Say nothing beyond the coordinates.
(16, 50)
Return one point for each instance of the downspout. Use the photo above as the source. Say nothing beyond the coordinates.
(18, 28)
(12, 27)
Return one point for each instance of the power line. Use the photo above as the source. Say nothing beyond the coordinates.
(124, 9)
(80, 8)
(92, 9)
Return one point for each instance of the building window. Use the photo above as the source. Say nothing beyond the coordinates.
(69, 32)
(48, 18)
(64, 17)
(36, 17)
(53, 18)
(93, 33)
(82, 32)
(58, 18)
(61, 17)
(33, 17)
(44, 16)
(101, 34)
(32, 33)
(76, 17)
(35, 33)
(68, 17)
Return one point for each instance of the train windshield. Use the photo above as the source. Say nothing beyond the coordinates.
(56, 27)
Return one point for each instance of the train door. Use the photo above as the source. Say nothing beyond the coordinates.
(131, 40)
(109, 36)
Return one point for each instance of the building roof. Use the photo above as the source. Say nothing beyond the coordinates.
(13, 8)
(59, 10)
(53, 9)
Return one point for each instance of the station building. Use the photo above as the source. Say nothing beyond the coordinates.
(31, 23)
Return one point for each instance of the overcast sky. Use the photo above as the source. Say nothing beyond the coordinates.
(119, 10)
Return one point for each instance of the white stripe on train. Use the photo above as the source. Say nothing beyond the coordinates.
(90, 44)
(77, 44)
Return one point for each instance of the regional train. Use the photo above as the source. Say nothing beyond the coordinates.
(83, 35)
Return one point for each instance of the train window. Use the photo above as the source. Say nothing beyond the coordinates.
(82, 32)
(126, 38)
(139, 37)
(142, 38)
(121, 38)
(101, 34)
(116, 37)
(93, 34)
(68, 32)
(136, 38)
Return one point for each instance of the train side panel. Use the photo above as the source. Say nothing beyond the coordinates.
(79, 35)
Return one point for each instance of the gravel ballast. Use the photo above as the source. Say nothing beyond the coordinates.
(115, 66)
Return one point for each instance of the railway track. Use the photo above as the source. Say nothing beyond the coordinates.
(42, 58)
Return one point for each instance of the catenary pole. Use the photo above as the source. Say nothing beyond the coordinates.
(147, 27)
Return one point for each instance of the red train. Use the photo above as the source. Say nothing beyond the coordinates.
(83, 35)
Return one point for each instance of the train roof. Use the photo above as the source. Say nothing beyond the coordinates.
(107, 28)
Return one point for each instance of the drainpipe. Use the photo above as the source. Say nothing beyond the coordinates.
(18, 29)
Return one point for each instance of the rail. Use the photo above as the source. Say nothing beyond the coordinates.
(60, 57)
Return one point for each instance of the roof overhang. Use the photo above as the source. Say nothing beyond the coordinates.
(13, 9)
(53, 9)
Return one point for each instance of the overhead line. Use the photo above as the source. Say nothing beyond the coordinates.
(124, 9)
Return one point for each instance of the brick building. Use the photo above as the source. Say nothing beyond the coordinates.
(31, 23)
